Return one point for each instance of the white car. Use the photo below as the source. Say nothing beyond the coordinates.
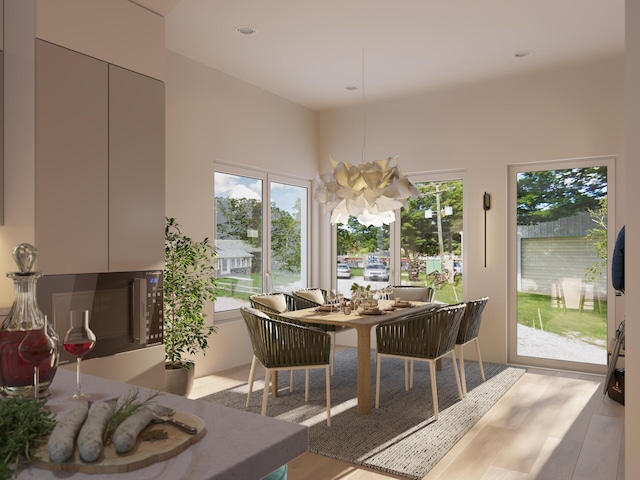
(344, 271)
(376, 271)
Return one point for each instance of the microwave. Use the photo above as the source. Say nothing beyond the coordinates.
(125, 308)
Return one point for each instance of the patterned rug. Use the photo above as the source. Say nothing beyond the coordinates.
(401, 437)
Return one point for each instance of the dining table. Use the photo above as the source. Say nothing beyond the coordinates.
(362, 321)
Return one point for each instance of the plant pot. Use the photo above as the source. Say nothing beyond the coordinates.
(178, 380)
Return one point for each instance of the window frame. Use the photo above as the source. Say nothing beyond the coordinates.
(267, 177)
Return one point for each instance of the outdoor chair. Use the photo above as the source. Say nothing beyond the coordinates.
(409, 293)
(280, 345)
(426, 336)
(468, 332)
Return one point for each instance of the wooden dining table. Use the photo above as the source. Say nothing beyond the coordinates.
(362, 323)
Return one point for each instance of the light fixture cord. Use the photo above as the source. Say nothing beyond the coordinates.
(364, 108)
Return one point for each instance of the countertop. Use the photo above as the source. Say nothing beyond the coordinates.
(236, 445)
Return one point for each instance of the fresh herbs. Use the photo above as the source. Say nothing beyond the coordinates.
(127, 407)
(24, 426)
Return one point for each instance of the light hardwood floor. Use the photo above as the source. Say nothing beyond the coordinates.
(549, 425)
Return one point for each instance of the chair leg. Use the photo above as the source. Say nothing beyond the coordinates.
(480, 359)
(328, 388)
(434, 388)
(411, 374)
(333, 350)
(463, 376)
(306, 385)
(378, 359)
(406, 374)
(252, 374)
(265, 395)
(455, 371)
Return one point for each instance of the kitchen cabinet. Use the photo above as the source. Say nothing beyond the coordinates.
(136, 171)
(99, 165)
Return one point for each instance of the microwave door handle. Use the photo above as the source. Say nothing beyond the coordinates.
(139, 313)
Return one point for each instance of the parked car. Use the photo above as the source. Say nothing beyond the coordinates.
(376, 271)
(344, 271)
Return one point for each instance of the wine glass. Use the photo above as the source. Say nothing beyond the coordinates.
(36, 348)
(78, 341)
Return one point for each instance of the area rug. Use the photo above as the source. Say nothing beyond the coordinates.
(401, 437)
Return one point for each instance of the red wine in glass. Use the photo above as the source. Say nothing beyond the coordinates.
(78, 341)
(37, 348)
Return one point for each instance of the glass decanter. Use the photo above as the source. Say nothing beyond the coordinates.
(16, 375)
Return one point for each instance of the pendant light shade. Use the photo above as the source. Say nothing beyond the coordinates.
(371, 191)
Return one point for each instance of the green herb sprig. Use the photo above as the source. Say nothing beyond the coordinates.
(24, 426)
(127, 407)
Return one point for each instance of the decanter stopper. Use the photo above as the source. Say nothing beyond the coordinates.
(25, 256)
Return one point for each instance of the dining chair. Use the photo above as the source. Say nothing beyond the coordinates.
(279, 345)
(468, 332)
(314, 297)
(408, 293)
(426, 336)
(274, 304)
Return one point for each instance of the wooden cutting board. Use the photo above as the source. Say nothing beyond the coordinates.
(144, 453)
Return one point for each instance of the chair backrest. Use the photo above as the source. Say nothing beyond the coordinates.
(408, 293)
(281, 344)
(309, 297)
(274, 302)
(428, 334)
(470, 324)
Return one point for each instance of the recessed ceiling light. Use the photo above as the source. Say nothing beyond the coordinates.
(246, 30)
(522, 53)
(351, 87)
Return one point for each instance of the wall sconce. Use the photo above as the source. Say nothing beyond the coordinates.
(486, 205)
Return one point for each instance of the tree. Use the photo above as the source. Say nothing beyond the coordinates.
(551, 194)
(597, 237)
(285, 237)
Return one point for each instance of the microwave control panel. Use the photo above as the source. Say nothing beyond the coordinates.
(148, 309)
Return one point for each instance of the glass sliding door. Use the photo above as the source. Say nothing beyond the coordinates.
(559, 265)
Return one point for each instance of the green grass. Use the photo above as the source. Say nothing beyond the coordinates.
(590, 325)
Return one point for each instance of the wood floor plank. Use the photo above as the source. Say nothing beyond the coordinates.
(557, 459)
(600, 452)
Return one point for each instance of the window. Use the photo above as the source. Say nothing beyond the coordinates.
(427, 249)
(261, 235)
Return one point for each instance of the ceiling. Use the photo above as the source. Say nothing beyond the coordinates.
(309, 51)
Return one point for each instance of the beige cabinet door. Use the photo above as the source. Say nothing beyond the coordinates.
(136, 171)
(71, 204)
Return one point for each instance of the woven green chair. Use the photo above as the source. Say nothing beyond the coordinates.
(426, 336)
(280, 345)
(310, 298)
(468, 332)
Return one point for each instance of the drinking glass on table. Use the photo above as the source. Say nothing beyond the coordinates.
(78, 341)
(36, 348)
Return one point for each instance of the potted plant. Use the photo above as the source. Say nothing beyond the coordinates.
(189, 282)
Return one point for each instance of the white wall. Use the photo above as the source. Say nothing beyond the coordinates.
(214, 117)
(569, 112)
(632, 256)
